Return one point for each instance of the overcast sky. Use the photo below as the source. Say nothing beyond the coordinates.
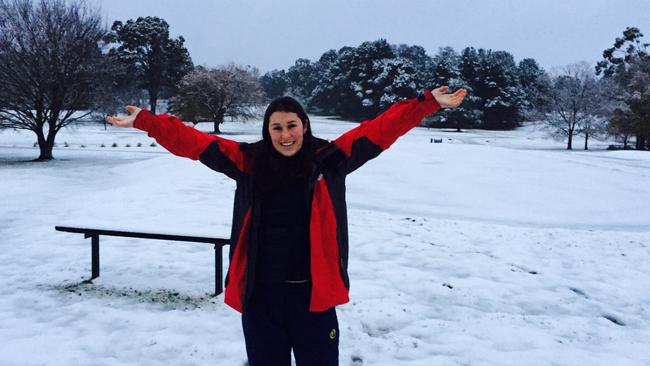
(273, 34)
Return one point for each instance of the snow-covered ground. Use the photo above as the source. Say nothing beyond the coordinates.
(491, 248)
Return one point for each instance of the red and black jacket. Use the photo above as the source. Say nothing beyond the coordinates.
(328, 227)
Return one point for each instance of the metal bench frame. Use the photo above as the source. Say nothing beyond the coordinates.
(95, 233)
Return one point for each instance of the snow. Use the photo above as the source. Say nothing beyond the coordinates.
(491, 248)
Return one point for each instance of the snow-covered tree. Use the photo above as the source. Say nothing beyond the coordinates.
(360, 82)
(320, 99)
(274, 84)
(534, 83)
(470, 70)
(50, 64)
(302, 80)
(161, 62)
(494, 97)
(422, 63)
(574, 102)
(397, 79)
(212, 94)
(593, 126)
(348, 87)
(332, 83)
(627, 63)
(446, 71)
(499, 89)
(365, 78)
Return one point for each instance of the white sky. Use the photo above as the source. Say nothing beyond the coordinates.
(273, 34)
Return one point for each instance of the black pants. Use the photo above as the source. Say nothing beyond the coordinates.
(277, 320)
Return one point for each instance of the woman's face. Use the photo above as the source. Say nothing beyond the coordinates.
(287, 131)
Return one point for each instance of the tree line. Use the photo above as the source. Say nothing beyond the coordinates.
(359, 82)
(58, 64)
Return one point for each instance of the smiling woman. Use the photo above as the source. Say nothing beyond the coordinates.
(286, 131)
(286, 125)
(289, 243)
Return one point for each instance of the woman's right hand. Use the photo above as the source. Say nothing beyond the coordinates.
(445, 100)
(124, 121)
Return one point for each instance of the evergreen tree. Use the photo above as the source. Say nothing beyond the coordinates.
(274, 84)
(618, 58)
(446, 71)
(160, 61)
(470, 71)
(365, 78)
(396, 80)
(302, 79)
(348, 88)
(500, 91)
(627, 63)
(494, 97)
(323, 73)
(621, 125)
(360, 82)
(422, 63)
(331, 85)
(534, 84)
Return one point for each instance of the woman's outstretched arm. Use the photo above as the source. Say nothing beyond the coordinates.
(371, 137)
(220, 154)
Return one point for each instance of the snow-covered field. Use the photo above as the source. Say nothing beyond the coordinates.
(491, 248)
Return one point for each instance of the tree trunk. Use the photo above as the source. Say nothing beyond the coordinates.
(586, 139)
(569, 143)
(640, 142)
(625, 138)
(45, 146)
(218, 119)
(153, 100)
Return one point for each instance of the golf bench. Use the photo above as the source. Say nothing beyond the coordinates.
(95, 233)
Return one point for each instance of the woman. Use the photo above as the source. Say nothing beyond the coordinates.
(289, 240)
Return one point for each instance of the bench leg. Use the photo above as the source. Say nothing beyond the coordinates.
(218, 265)
(95, 257)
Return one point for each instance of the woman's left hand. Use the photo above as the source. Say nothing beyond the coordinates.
(124, 121)
(452, 100)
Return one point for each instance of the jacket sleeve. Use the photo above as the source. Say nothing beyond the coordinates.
(371, 137)
(219, 154)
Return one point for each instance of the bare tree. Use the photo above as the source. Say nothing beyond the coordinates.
(212, 94)
(573, 102)
(595, 125)
(49, 57)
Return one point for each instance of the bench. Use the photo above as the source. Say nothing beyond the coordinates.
(95, 233)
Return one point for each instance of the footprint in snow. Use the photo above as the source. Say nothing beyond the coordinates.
(578, 291)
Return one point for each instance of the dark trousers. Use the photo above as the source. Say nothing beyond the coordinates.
(277, 320)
